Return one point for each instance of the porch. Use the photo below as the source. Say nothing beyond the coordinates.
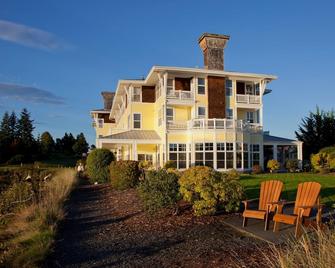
(138, 145)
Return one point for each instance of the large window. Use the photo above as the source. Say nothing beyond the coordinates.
(145, 157)
(201, 86)
(137, 94)
(204, 154)
(250, 117)
(229, 87)
(245, 156)
(169, 114)
(229, 155)
(177, 154)
(255, 151)
(136, 120)
(238, 155)
(220, 155)
(201, 112)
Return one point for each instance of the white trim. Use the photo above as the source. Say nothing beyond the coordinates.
(133, 121)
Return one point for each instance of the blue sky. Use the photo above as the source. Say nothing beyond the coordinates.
(57, 56)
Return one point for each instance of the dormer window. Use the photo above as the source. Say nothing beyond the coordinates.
(137, 94)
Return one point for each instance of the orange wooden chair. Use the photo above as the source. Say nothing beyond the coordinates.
(308, 197)
(268, 199)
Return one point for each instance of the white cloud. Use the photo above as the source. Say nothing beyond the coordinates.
(29, 36)
(28, 94)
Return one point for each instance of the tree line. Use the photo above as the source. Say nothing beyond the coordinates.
(18, 144)
(316, 131)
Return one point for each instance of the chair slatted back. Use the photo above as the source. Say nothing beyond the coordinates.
(307, 195)
(270, 192)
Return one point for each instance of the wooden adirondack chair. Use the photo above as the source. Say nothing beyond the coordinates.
(308, 197)
(269, 196)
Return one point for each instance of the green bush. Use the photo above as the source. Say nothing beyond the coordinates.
(16, 159)
(97, 165)
(256, 169)
(273, 165)
(170, 164)
(124, 174)
(209, 190)
(292, 165)
(159, 189)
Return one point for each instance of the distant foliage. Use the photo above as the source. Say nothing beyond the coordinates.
(292, 165)
(97, 165)
(124, 174)
(80, 146)
(324, 161)
(16, 159)
(317, 130)
(47, 144)
(209, 190)
(256, 169)
(273, 165)
(159, 189)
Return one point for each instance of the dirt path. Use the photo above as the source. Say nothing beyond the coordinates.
(108, 228)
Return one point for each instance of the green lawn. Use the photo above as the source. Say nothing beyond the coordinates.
(291, 180)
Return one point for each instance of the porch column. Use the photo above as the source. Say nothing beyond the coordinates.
(299, 151)
(161, 162)
(134, 151)
(275, 152)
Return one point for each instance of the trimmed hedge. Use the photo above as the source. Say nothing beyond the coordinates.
(124, 174)
(209, 190)
(97, 165)
(159, 189)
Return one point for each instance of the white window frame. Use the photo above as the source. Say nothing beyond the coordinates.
(133, 94)
(229, 89)
(249, 92)
(173, 114)
(201, 86)
(100, 122)
(250, 117)
(232, 113)
(176, 150)
(170, 88)
(137, 120)
(201, 116)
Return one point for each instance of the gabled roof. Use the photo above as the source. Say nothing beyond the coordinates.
(134, 135)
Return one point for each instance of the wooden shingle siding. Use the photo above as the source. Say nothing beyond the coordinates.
(182, 83)
(216, 97)
(148, 94)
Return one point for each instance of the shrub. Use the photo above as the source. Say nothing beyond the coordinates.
(145, 165)
(292, 165)
(233, 174)
(159, 189)
(256, 169)
(97, 165)
(124, 174)
(209, 190)
(170, 164)
(319, 161)
(273, 165)
(16, 159)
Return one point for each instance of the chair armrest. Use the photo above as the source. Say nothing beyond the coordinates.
(246, 202)
(314, 206)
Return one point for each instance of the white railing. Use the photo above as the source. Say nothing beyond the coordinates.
(227, 124)
(180, 94)
(177, 125)
(248, 99)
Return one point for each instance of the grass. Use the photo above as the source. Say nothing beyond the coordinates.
(311, 251)
(251, 184)
(30, 232)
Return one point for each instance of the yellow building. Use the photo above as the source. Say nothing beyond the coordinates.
(192, 116)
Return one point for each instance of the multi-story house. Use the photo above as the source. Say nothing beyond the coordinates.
(192, 116)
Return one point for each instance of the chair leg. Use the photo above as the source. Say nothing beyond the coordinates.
(245, 221)
(266, 227)
(276, 226)
(297, 229)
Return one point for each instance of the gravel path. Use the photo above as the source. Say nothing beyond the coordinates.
(108, 228)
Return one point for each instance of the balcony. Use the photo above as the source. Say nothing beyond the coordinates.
(218, 124)
(248, 99)
(180, 97)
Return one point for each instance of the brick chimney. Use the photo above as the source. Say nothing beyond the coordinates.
(212, 46)
(108, 99)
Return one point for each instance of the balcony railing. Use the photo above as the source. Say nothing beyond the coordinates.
(180, 95)
(248, 99)
(224, 124)
(177, 125)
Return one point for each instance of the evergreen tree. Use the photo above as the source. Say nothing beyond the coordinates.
(13, 125)
(81, 146)
(316, 131)
(47, 144)
(25, 136)
(5, 138)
